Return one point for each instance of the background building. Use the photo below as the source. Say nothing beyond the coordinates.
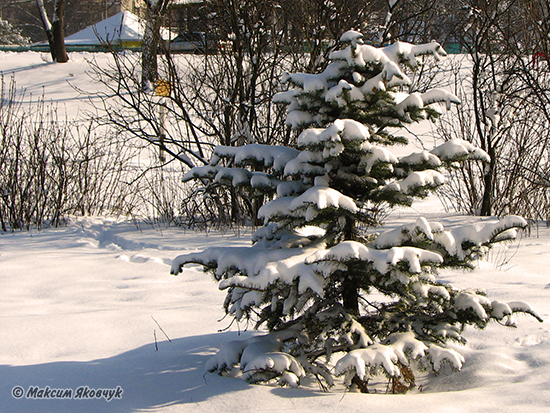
(79, 14)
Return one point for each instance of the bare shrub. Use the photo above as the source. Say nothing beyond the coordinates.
(52, 168)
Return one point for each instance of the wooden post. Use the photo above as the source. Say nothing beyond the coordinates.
(162, 130)
(162, 89)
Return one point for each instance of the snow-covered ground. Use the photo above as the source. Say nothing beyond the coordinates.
(92, 306)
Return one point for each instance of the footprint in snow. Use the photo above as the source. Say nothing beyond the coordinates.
(141, 259)
(531, 340)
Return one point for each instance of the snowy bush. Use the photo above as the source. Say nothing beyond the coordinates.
(11, 35)
(317, 276)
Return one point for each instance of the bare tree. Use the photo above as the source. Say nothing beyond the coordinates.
(225, 95)
(506, 101)
(54, 30)
(315, 27)
(54, 167)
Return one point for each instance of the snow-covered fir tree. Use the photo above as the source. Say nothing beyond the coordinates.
(336, 297)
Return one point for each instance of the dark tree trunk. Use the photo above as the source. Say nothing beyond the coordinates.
(58, 33)
(149, 66)
(350, 296)
(54, 31)
(485, 137)
(350, 290)
(487, 201)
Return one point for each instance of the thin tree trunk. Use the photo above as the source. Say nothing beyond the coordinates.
(487, 200)
(47, 25)
(484, 137)
(350, 290)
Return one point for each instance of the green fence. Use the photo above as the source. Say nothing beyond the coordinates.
(46, 48)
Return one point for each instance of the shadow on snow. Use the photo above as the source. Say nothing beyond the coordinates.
(172, 375)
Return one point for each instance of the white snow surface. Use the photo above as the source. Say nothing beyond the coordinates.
(80, 306)
(79, 301)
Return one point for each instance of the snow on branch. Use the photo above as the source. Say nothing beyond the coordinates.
(469, 299)
(322, 198)
(305, 164)
(457, 242)
(440, 95)
(267, 156)
(381, 260)
(462, 240)
(242, 177)
(414, 256)
(260, 359)
(277, 363)
(372, 357)
(376, 155)
(486, 309)
(523, 307)
(437, 356)
(405, 233)
(236, 177)
(417, 101)
(416, 182)
(313, 201)
(233, 176)
(459, 150)
(275, 208)
(248, 261)
(341, 130)
(254, 270)
(273, 236)
(352, 37)
(401, 52)
(201, 172)
(401, 349)
(419, 160)
(285, 270)
(359, 54)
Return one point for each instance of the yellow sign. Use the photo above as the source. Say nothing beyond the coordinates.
(163, 88)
